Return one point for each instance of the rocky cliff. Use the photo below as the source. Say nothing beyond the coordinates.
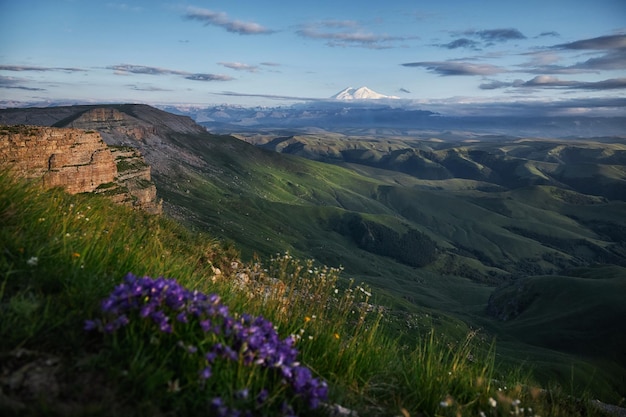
(155, 133)
(119, 124)
(79, 161)
(134, 175)
(112, 123)
(76, 160)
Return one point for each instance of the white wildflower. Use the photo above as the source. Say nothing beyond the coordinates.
(492, 402)
(32, 261)
(369, 294)
(173, 386)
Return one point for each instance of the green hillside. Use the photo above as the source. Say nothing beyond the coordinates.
(61, 256)
(438, 250)
(483, 236)
(532, 307)
(255, 197)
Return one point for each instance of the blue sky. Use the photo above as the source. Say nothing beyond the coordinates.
(464, 56)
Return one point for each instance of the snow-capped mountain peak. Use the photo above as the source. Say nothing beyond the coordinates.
(362, 93)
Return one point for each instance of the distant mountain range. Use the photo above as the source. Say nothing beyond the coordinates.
(362, 111)
(365, 112)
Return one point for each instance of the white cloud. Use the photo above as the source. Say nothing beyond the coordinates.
(447, 68)
(238, 66)
(221, 19)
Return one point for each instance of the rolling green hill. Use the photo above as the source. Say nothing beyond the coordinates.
(69, 349)
(492, 213)
(580, 313)
(585, 166)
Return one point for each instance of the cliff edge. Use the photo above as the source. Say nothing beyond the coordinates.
(78, 161)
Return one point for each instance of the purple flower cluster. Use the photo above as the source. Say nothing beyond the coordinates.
(251, 340)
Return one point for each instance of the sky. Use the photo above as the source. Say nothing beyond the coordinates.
(457, 56)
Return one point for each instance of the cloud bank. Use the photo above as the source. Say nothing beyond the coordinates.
(15, 83)
(545, 81)
(497, 35)
(220, 19)
(601, 42)
(40, 69)
(446, 68)
(461, 43)
(142, 69)
(125, 69)
(612, 47)
(482, 38)
(238, 66)
(208, 77)
(348, 33)
(603, 53)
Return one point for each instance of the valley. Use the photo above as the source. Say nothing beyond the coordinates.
(520, 237)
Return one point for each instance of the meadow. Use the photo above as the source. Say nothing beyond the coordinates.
(196, 330)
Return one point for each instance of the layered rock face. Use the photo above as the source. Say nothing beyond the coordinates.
(113, 123)
(75, 160)
(151, 132)
(79, 161)
(134, 175)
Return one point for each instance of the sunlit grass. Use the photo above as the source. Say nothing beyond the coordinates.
(62, 255)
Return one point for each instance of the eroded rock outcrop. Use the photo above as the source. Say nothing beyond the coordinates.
(112, 122)
(78, 161)
(134, 175)
(75, 160)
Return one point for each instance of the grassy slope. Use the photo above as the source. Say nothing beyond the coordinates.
(580, 313)
(585, 166)
(83, 245)
(268, 203)
(276, 193)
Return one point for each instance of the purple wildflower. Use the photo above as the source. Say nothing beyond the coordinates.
(146, 311)
(217, 404)
(91, 325)
(242, 394)
(262, 396)
(210, 356)
(206, 373)
(250, 340)
(182, 317)
(205, 325)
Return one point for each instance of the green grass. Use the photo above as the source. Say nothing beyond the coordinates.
(62, 254)
(266, 202)
(592, 295)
